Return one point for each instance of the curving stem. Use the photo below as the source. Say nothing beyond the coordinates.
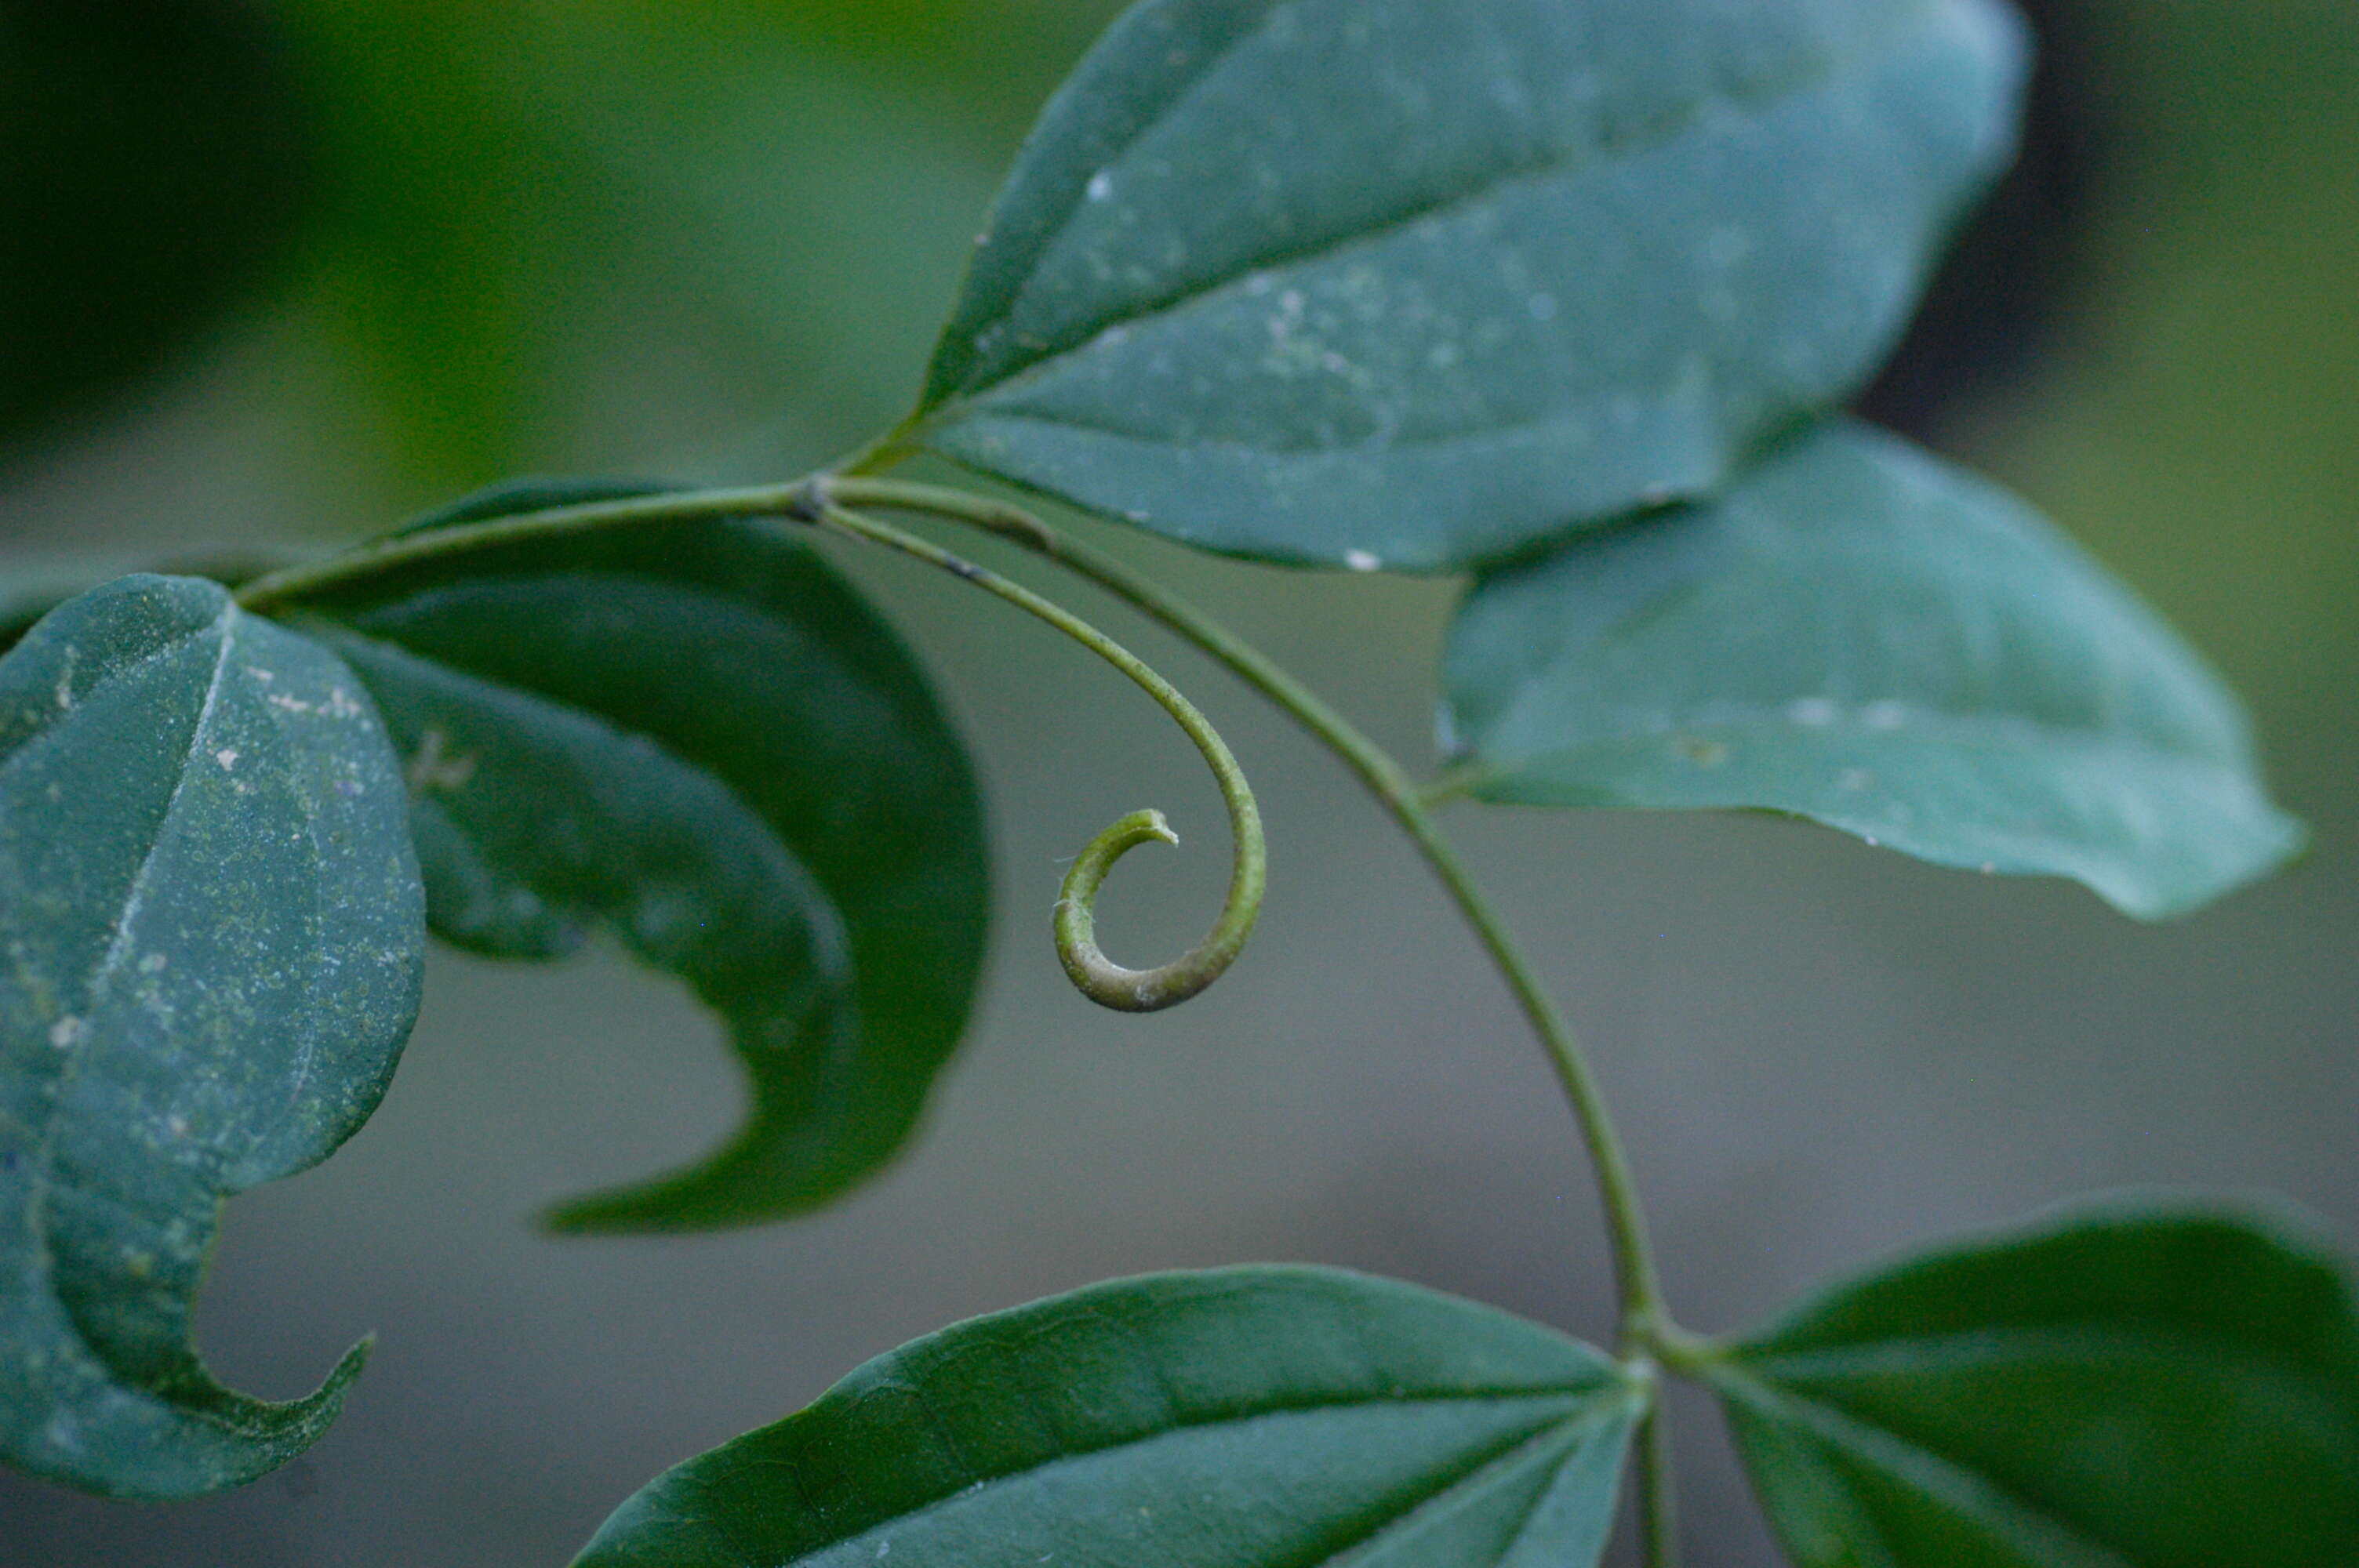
(1097, 977)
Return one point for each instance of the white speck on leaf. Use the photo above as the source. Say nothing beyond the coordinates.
(226, 757)
(1817, 712)
(1100, 186)
(1361, 561)
(67, 1033)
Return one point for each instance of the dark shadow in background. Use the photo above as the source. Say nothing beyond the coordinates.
(153, 164)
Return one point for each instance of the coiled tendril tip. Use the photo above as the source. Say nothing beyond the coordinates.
(1109, 984)
(1097, 977)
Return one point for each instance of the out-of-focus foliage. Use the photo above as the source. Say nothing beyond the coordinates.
(154, 155)
(774, 191)
(2201, 426)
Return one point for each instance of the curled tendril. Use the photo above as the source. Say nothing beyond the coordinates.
(1097, 977)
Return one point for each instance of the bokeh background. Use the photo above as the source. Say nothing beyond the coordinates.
(288, 270)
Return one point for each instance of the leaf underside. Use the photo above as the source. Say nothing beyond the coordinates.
(1861, 636)
(1387, 283)
(2126, 1388)
(215, 934)
(1243, 1418)
(696, 738)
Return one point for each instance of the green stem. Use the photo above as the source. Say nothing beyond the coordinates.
(1096, 976)
(1658, 1527)
(1641, 1292)
(313, 577)
(1100, 978)
(1645, 1328)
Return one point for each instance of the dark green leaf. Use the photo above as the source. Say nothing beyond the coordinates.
(696, 737)
(1864, 636)
(1246, 1418)
(1393, 283)
(2127, 1387)
(215, 933)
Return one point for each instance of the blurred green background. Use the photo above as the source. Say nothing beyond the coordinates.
(288, 270)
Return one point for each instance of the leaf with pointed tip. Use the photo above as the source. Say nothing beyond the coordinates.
(2124, 1388)
(695, 736)
(1240, 1418)
(1393, 283)
(215, 934)
(1864, 636)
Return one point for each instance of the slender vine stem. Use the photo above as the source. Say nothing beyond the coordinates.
(1658, 1519)
(1643, 1316)
(1075, 923)
(311, 578)
(831, 501)
(1641, 1289)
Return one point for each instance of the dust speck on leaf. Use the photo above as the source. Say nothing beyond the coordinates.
(1816, 712)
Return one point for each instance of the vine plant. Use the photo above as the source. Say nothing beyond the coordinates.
(1558, 294)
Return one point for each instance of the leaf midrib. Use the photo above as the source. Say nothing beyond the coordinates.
(1598, 1394)
(1969, 1495)
(1769, 89)
(41, 1182)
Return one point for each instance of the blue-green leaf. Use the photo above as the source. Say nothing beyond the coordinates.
(1402, 284)
(1864, 636)
(214, 936)
(1244, 1418)
(2127, 1387)
(695, 737)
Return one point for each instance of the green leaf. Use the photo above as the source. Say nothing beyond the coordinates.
(2123, 1387)
(1392, 283)
(695, 736)
(1244, 1418)
(1864, 636)
(215, 936)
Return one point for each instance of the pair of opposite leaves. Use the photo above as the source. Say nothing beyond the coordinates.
(1612, 253)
